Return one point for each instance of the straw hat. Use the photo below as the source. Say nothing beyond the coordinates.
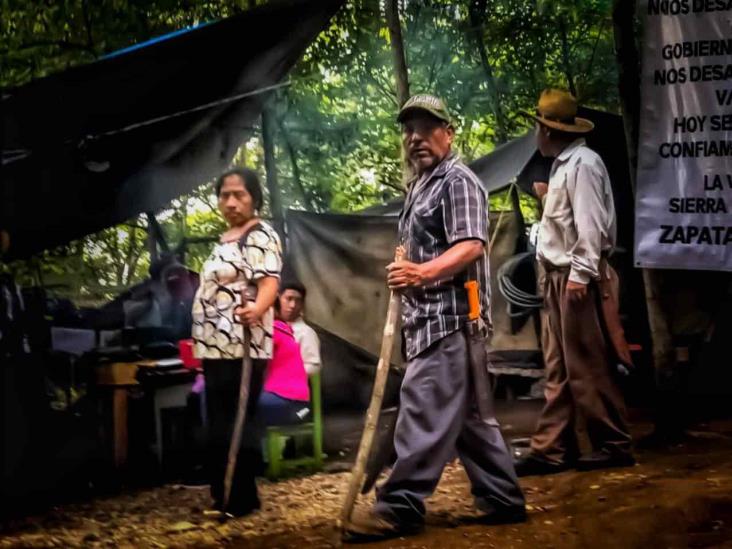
(558, 109)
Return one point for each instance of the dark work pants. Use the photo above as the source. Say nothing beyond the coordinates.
(579, 377)
(276, 410)
(222, 397)
(437, 416)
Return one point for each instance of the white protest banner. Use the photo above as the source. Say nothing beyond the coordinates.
(684, 185)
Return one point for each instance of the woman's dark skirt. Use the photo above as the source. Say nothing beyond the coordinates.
(222, 397)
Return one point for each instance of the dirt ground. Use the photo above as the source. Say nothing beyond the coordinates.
(681, 497)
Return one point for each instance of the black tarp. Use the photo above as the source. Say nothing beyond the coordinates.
(57, 131)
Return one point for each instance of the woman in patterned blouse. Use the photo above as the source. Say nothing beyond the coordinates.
(247, 258)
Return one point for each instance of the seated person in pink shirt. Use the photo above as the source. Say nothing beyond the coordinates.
(285, 398)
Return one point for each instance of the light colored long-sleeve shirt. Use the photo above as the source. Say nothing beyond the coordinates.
(309, 346)
(578, 223)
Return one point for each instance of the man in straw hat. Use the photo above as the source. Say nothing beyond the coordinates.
(577, 232)
(443, 228)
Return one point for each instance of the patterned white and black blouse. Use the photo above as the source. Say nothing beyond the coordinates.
(230, 268)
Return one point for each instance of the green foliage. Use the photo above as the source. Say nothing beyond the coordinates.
(38, 38)
(336, 140)
(91, 270)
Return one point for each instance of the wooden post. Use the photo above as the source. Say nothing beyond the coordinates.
(119, 426)
(628, 60)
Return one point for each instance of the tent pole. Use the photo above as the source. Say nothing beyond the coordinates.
(270, 167)
(154, 234)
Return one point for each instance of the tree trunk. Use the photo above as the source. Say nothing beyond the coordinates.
(400, 73)
(628, 60)
(397, 49)
(275, 197)
(477, 18)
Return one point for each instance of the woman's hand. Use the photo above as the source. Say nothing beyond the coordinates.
(252, 312)
(248, 314)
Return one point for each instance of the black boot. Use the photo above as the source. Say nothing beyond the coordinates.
(605, 459)
(534, 464)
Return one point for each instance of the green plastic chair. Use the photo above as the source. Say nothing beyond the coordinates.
(277, 436)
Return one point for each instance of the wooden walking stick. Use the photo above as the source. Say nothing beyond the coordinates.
(241, 412)
(377, 396)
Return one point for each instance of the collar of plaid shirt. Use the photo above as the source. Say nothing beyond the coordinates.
(419, 182)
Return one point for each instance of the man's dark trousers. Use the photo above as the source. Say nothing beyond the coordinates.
(437, 416)
(579, 376)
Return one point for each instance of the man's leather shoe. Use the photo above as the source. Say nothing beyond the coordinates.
(502, 515)
(368, 525)
(534, 465)
(604, 460)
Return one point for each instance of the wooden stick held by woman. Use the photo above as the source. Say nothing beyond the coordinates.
(241, 412)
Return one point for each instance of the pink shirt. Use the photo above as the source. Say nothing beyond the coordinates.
(285, 375)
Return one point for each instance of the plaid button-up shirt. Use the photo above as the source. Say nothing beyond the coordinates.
(442, 208)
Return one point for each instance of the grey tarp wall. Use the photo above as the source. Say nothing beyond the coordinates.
(341, 259)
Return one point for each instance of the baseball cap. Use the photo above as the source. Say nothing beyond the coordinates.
(428, 103)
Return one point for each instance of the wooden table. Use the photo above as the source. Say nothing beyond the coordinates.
(118, 378)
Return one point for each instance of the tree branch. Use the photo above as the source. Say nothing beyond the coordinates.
(394, 186)
(594, 49)
(566, 57)
(477, 18)
(62, 44)
(87, 24)
(385, 91)
(295, 168)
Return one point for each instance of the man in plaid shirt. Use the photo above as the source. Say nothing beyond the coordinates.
(443, 228)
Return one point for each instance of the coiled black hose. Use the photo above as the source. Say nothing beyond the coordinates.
(520, 302)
